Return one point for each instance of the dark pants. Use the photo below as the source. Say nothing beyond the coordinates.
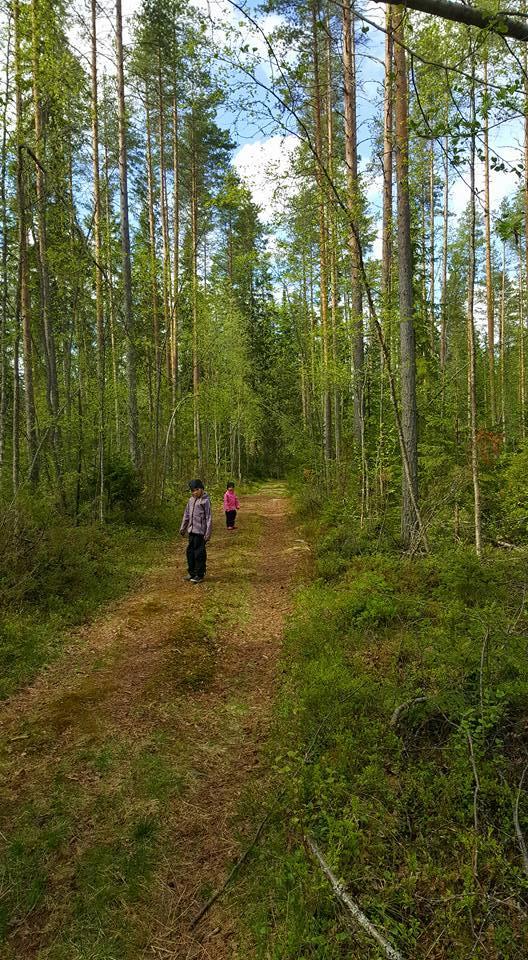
(196, 555)
(230, 518)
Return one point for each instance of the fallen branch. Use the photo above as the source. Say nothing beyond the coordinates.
(242, 859)
(352, 907)
(240, 862)
(520, 836)
(504, 545)
(404, 707)
(483, 652)
(476, 791)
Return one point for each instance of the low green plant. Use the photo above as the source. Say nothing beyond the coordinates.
(400, 744)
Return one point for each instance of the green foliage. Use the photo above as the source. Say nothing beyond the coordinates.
(394, 676)
(122, 483)
(514, 496)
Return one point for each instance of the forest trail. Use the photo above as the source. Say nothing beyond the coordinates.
(123, 766)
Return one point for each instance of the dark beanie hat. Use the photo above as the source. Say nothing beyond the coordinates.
(196, 485)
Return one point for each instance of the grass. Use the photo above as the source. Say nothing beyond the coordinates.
(392, 804)
(95, 832)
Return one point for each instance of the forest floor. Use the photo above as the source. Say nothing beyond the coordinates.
(125, 766)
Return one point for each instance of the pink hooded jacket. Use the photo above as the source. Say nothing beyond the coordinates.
(231, 501)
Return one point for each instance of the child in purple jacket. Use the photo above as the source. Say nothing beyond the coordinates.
(231, 505)
(197, 523)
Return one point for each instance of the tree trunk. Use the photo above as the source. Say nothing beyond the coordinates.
(445, 238)
(522, 364)
(99, 309)
(386, 235)
(194, 295)
(490, 306)
(525, 61)
(167, 269)
(472, 387)
(432, 253)
(494, 21)
(5, 277)
(23, 269)
(133, 419)
(351, 159)
(323, 236)
(15, 455)
(407, 339)
(502, 348)
(110, 274)
(175, 333)
(52, 391)
(388, 123)
(154, 295)
(332, 241)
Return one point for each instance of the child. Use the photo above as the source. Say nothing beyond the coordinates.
(231, 505)
(197, 522)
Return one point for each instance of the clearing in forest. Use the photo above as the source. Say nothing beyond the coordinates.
(123, 766)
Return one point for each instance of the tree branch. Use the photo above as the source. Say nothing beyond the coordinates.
(352, 907)
(498, 22)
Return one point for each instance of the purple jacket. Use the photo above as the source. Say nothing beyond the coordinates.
(197, 517)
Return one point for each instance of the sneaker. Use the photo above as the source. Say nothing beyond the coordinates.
(196, 579)
(187, 577)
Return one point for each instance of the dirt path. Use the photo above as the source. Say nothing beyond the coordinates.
(124, 764)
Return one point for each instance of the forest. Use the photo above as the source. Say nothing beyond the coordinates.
(284, 245)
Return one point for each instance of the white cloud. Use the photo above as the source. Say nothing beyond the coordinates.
(266, 167)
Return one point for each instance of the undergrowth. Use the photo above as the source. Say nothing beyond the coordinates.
(400, 746)
(54, 574)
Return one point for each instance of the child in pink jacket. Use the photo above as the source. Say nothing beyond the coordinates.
(231, 505)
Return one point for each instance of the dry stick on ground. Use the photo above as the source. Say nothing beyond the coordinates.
(404, 707)
(242, 859)
(476, 792)
(240, 862)
(513, 626)
(352, 907)
(520, 836)
(481, 678)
